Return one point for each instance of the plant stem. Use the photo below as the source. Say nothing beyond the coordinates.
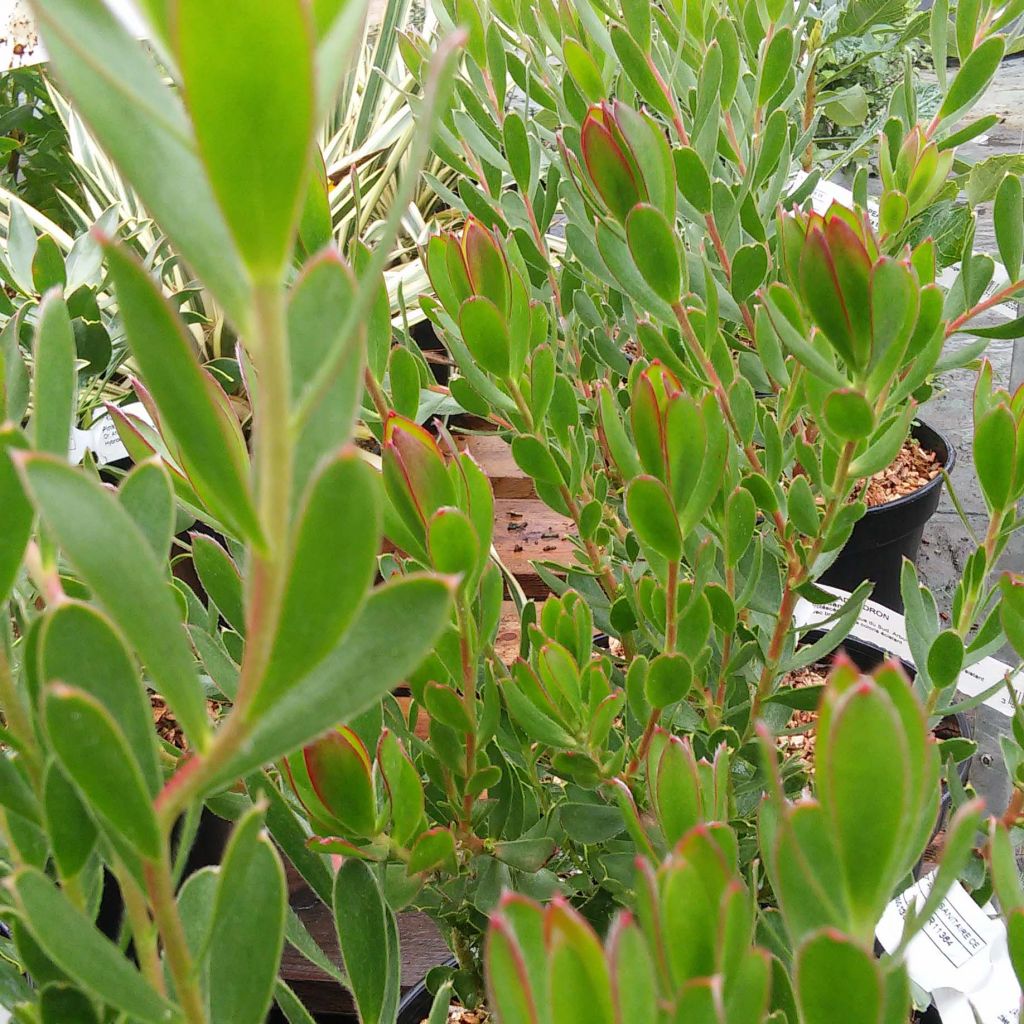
(993, 300)
(797, 574)
(269, 566)
(970, 607)
(143, 930)
(468, 697)
(17, 718)
(176, 951)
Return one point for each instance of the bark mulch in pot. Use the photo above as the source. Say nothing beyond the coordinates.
(909, 471)
(800, 738)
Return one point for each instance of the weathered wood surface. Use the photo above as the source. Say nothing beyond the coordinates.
(421, 944)
(494, 457)
(526, 530)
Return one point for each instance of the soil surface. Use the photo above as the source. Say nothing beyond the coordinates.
(166, 724)
(912, 469)
(802, 743)
(460, 1015)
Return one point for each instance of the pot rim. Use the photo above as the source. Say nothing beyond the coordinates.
(933, 484)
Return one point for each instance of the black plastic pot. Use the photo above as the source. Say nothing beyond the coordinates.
(891, 532)
(416, 1003)
(207, 850)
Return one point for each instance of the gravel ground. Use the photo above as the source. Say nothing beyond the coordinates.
(946, 542)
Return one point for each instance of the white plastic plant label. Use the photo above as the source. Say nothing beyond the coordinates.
(102, 438)
(887, 629)
(959, 956)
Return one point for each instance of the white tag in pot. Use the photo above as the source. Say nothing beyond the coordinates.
(959, 956)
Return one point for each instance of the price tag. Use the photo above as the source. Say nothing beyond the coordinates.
(959, 956)
(887, 629)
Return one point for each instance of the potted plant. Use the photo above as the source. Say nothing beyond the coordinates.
(93, 624)
(623, 366)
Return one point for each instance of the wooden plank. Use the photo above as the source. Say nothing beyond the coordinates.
(525, 530)
(494, 456)
(421, 944)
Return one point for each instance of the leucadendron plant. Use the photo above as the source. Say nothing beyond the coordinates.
(706, 939)
(700, 370)
(217, 137)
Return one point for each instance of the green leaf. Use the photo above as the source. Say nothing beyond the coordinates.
(635, 63)
(803, 509)
(651, 513)
(18, 515)
(394, 631)
(608, 168)
(434, 849)
(525, 854)
(95, 754)
(740, 518)
(364, 921)
(245, 67)
(535, 460)
(78, 645)
(340, 772)
(583, 69)
(248, 937)
(995, 443)
(108, 549)
(141, 125)
(486, 334)
(1008, 219)
(71, 830)
(48, 266)
(517, 150)
(404, 788)
(945, 659)
(332, 565)
(74, 943)
(15, 793)
(849, 414)
(317, 307)
(832, 971)
(404, 381)
(182, 391)
(220, 579)
(776, 63)
(653, 247)
(509, 988)
(692, 178)
(62, 1004)
(668, 680)
(862, 773)
(53, 386)
(749, 267)
(452, 543)
(147, 495)
(973, 77)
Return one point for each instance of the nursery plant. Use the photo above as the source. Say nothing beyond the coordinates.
(701, 374)
(91, 800)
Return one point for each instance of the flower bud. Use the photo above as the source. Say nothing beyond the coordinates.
(611, 167)
(653, 391)
(919, 172)
(340, 794)
(415, 474)
(486, 264)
